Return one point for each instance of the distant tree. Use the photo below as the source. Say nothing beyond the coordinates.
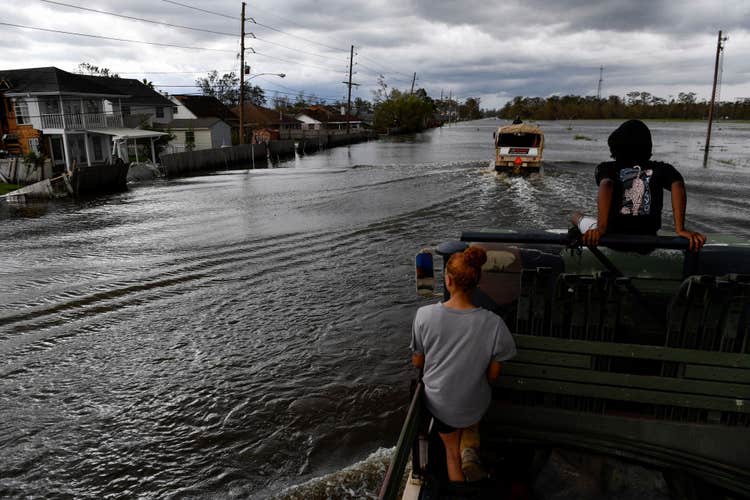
(362, 106)
(380, 93)
(89, 69)
(147, 83)
(254, 94)
(470, 109)
(402, 112)
(226, 89)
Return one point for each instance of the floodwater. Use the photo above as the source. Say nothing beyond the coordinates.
(244, 334)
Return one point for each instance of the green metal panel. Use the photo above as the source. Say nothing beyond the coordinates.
(739, 405)
(552, 358)
(738, 375)
(661, 384)
(634, 351)
(716, 453)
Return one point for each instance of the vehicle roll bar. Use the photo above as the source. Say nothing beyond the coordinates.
(618, 241)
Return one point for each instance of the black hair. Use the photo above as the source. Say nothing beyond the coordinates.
(630, 141)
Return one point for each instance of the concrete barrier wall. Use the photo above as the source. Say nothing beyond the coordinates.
(213, 159)
(311, 143)
(280, 148)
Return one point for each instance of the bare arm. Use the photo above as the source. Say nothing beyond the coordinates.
(417, 360)
(679, 204)
(603, 203)
(493, 371)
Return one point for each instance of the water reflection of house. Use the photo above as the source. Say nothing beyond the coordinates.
(71, 118)
(329, 120)
(264, 124)
(200, 122)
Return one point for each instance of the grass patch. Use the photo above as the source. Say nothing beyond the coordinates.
(579, 137)
(7, 188)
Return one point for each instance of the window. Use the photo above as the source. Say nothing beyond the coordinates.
(311, 126)
(190, 140)
(34, 145)
(174, 110)
(160, 112)
(125, 108)
(52, 106)
(22, 112)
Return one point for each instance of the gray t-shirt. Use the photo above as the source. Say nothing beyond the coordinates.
(458, 347)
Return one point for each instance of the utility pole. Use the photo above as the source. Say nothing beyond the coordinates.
(719, 48)
(450, 106)
(349, 84)
(242, 76)
(414, 79)
(599, 87)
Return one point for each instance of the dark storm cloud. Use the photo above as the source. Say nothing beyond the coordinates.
(614, 15)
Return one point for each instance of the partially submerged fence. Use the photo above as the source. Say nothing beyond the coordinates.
(212, 159)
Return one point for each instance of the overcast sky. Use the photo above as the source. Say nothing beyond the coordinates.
(493, 50)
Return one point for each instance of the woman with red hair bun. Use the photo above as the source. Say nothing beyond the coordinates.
(461, 348)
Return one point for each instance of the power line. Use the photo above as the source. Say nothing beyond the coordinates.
(200, 10)
(171, 72)
(296, 50)
(297, 91)
(101, 37)
(180, 26)
(133, 18)
(292, 35)
(294, 62)
(168, 85)
(384, 67)
(309, 96)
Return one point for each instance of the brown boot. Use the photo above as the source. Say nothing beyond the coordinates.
(471, 465)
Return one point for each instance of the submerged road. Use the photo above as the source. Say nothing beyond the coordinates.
(240, 332)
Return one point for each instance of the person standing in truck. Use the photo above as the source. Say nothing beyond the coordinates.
(631, 190)
(460, 348)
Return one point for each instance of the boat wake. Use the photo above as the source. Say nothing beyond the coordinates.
(359, 480)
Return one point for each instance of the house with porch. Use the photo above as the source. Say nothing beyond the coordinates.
(71, 119)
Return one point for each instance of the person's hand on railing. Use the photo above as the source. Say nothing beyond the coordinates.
(697, 240)
(592, 236)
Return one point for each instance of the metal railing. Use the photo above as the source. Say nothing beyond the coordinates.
(81, 121)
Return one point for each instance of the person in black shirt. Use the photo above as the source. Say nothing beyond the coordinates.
(631, 190)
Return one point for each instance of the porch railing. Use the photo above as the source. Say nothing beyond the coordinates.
(81, 121)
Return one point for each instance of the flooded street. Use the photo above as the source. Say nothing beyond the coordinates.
(236, 333)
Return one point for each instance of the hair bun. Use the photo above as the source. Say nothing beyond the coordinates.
(475, 257)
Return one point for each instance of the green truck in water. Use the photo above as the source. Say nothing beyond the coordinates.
(637, 349)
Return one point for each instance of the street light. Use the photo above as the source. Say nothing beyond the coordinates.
(280, 75)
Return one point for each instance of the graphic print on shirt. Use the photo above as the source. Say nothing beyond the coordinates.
(636, 191)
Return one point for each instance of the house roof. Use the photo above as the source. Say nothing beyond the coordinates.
(258, 115)
(206, 106)
(325, 115)
(140, 93)
(51, 80)
(188, 123)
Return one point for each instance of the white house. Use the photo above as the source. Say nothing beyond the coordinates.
(199, 122)
(73, 118)
(330, 121)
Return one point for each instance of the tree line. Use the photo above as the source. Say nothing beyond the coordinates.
(633, 105)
